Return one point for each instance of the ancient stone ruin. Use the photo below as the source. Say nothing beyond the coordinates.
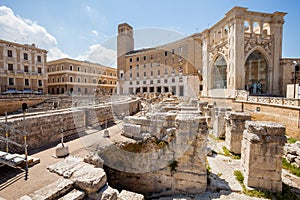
(167, 155)
(235, 125)
(262, 151)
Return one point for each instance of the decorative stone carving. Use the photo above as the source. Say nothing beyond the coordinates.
(255, 41)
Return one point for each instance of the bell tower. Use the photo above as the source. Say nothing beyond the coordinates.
(125, 44)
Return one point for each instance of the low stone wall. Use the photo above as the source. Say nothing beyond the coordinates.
(288, 116)
(262, 151)
(46, 128)
(11, 105)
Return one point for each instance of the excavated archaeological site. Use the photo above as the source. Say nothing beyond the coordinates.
(150, 147)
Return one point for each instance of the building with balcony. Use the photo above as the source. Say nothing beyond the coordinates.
(80, 77)
(242, 51)
(22, 68)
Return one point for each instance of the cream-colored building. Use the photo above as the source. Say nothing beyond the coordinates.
(240, 52)
(22, 68)
(80, 77)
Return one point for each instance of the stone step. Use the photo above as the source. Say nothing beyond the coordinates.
(51, 191)
(73, 195)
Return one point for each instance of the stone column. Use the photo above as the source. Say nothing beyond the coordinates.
(209, 114)
(219, 122)
(262, 150)
(235, 125)
(202, 105)
(191, 142)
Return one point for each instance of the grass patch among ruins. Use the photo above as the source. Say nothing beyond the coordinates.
(286, 193)
(292, 168)
(212, 136)
(292, 140)
(231, 155)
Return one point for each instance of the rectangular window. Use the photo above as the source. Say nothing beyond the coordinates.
(39, 70)
(26, 82)
(62, 79)
(151, 73)
(78, 80)
(137, 82)
(166, 53)
(39, 58)
(144, 66)
(130, 75)
(10, 66)
(130, 59)
(144, 82)
(130, 67)
(145, 74)
(151, 81)
(137, 74)
(79, 89)
(25, 56)
(40, 82)
(11, 81)
(130, 83)
(173, 80)
(137, 59)
(158, 81)
(166, 71)
(137, 67)
(145, 57)
(9, 53)
(166, 80)
(158, 72)
(26, 69)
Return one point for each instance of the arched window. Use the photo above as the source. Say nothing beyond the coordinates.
(220, 73)
(247, 27)
(256, 74)
(71, 79)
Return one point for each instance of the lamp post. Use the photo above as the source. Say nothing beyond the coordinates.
(296, 69)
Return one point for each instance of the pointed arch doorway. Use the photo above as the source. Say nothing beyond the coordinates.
(256, 74)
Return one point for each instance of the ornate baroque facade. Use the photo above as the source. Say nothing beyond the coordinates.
(240, 52)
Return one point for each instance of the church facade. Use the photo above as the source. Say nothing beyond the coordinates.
(242, 51)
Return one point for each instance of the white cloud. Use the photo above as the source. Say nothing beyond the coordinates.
(88, 8)
(100, 54)
(17, 29)
(95, 33)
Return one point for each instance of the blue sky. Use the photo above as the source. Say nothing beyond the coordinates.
(75, 28)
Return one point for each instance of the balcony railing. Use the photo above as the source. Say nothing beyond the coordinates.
(244, 96)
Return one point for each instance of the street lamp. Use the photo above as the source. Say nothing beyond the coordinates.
(296, 69)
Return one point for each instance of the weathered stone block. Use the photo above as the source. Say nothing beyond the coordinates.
(89, 179)
(132, 130)
(53, 190)
(73, 195)
(262, 150)
(125, 195)
(219, 122)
